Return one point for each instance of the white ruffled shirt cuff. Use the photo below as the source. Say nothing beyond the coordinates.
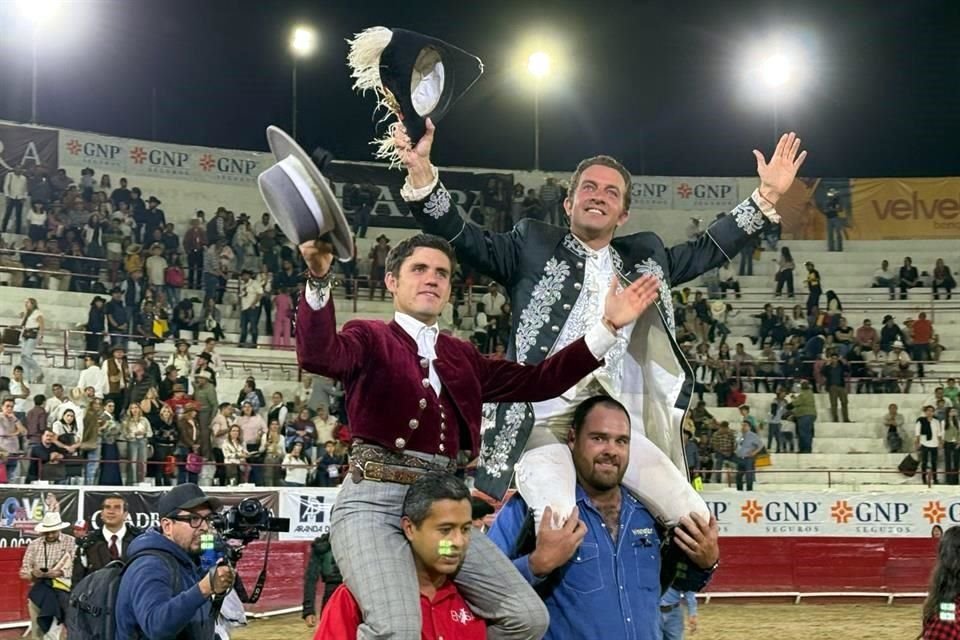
(599, 340)
(409, 193)
(766, 207)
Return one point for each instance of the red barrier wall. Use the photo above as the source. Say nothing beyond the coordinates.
(747, 564)
(824, 564)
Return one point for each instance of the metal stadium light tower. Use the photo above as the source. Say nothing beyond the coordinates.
(538, 65)
(39, 13)
(303, 42)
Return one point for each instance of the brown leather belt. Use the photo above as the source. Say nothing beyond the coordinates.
(668, 608)
(372, 462)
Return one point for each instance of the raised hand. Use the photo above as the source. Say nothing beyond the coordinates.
(415, 158)
(623, 306)
(777, 175)
(318, 255)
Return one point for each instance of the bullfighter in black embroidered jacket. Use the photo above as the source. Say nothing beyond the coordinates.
(557, 278)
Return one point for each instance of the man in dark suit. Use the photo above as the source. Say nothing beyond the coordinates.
(553, 275)
(414, 402)
(108, 543)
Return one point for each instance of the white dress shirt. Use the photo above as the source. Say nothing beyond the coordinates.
(107, 535)
(93, 376)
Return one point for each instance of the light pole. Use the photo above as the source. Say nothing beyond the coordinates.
(538, 64)
(39, 13)
(303, 41)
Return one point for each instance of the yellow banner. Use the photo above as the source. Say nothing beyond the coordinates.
(896, 208)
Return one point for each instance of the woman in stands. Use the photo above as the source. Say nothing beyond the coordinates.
(296, 466)
(942, 279)
(784, 276)
(37, 222)
(164, 441)
(234, 455)
(943, 596)
(211, 319)
(31, 334)
(182, 360)
(272, 448)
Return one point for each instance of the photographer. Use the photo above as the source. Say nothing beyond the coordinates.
(165, 594)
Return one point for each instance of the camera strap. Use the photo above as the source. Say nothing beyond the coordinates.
(261, 579)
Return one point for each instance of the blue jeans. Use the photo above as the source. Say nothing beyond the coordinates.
(745, 473)
(93, 465)
(835, 233)
(671, 624)
(249, 319)
(211, 283)
(30, 367)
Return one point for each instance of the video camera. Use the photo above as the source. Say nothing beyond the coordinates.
(235, 528)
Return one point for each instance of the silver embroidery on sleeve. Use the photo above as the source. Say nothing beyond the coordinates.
(438, 204)
(748, 217)
(495, 458)
(545, 294)
(652, 267)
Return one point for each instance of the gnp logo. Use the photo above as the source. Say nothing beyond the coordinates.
(235, 166)
(93, 150)
(872, 516)
(782, 516)
(936, 512)
(649, 190)
(159, 158)
(704, 191)
(312, 512)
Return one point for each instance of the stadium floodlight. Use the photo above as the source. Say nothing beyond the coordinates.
(303, 41)
(538, 64)
(780, 66)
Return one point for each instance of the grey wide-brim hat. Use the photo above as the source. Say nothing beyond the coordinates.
(300, 198)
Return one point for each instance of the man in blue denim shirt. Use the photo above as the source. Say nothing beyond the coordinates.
(600, 573)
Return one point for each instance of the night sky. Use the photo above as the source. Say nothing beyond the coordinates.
(655, 84)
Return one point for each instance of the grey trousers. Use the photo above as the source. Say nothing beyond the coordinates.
(377, 566)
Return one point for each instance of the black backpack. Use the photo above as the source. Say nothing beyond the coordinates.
(93, 600)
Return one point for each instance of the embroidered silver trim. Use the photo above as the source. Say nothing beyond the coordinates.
(545, 294)
(652, 267)
(748, 217)
(496, 458)
(438, 204)
(576, 247)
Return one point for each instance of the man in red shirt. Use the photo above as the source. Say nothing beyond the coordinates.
(922, 334)
(437, 522)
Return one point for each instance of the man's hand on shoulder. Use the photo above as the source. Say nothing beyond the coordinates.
(697, 537)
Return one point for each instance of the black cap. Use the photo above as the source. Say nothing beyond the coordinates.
(184, 497)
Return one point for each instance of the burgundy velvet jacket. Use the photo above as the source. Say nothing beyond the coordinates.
(389, 400)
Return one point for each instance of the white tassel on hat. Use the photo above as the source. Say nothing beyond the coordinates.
(363, 59)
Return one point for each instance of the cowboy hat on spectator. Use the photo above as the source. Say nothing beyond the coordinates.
(51, 522)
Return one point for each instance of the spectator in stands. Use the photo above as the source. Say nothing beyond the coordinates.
(908, 278)
(767, 370)
(833, 211)
(378, 265)
(728, 280)
(113, 446)
(532, 207)
(253, 427)
(121, 195)
(550, 197)
(952, 392)
(866, 335)
(216, 227)
(951, 446)
(153, 219)
(37, 221)
(899, 368)
(784, 275)
(244, 243)
(890, 333)
(156, 267)
(723, 443)
(184, 319)
(249, 305)
(165, 437)
(213, 276)
(747, 254)
(884, 278)
(265, 278)
(188, 444)
(138, 210)
(813, 286)
(211, 319)
(235, 454)
(194, 244)
(296, 466)
(20, 393)
(804, 411)
(743, 364)
(928, 432)
(15, 189)
(31, 334)
(835, 373)
(893, 421)
(272, 451)
(920, 342)
(942, 279)
(749, 445)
